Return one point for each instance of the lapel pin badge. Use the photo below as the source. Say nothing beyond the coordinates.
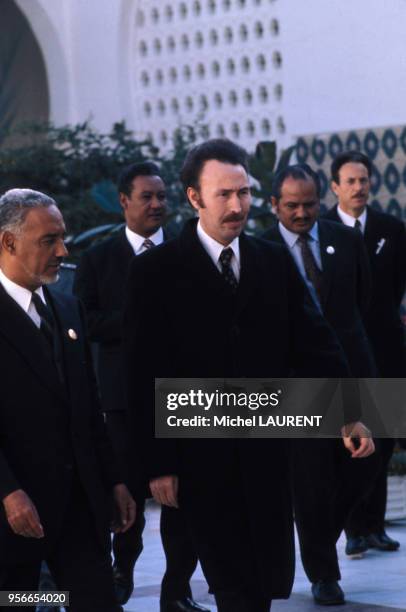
(72, 334)
(379, 245)
(330, 250)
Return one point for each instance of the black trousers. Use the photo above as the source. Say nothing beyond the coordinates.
(77, 561)
(368, 516)
(327, 484)
(180, 553)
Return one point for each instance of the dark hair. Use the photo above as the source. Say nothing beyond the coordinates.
(220, 149)
(299, 172)
(354, 157)
(129, 173)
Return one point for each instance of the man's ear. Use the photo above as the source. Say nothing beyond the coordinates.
(193, 197)
(123, 201)
(8, 242)
(334, 187)
(274, 204)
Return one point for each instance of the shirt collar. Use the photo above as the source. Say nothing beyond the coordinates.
(291, 237)
(214, 248)
(137, 241)
(21, 295)
(350, 221)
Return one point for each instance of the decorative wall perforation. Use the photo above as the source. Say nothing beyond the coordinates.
(216, 60)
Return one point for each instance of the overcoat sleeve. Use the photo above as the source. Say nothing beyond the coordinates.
(146, 353)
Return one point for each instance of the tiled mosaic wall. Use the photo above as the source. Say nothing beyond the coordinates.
(386, 147)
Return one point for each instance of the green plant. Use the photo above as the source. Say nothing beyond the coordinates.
(67, 163)
(79, 166)
(264, 164)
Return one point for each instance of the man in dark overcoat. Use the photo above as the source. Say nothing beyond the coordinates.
(385, 241)
(333, 263)
(58, 476)
(223, 305)
(100, 284)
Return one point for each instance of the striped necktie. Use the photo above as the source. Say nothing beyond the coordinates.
(312, 270)
(148, 244)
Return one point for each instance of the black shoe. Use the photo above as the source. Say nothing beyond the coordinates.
(356, 547)
(382, 541)
(182, 605)
(123, 585)
(328, 593)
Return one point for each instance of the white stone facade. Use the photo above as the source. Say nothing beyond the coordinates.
(219, 60)
(251, 69)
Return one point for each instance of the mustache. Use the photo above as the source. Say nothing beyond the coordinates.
(234, 217)
(359, 195)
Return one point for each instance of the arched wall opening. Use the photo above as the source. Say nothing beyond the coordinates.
(24, 90)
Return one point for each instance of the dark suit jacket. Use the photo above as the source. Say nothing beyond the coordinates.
(388, 270)
(100, 282)
(51, 431)
(345, 291)
(178, 300)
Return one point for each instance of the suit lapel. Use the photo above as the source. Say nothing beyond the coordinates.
(124, 250)
(372, 235)
(70, 341)
(328, 260)
(333, 215)
(274, 235)
(250, 264)
(25, 337)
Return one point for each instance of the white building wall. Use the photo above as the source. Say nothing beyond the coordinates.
(85, 48)
(49, 22)
(344, 64)
(214, 59)
(329, 65)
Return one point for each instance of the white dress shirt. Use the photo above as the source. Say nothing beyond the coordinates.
(137, 241)
(23, 297)
(350, 221)
(291, 240)
(214, 249)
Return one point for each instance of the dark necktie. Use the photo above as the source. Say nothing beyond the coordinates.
(227, 271)
(47, 320)
(358, 226)
(148, 244)
(312, 270)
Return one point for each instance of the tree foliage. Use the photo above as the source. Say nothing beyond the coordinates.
(78, 166)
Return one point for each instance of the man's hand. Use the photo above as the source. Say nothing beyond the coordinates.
(124, 509)
(358, 431)
(22, 515)
(165, 490)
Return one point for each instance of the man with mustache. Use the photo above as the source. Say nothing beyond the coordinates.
(333, 263)
(57, 469)
(385, 240)
(223, 304)
(100, 283)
